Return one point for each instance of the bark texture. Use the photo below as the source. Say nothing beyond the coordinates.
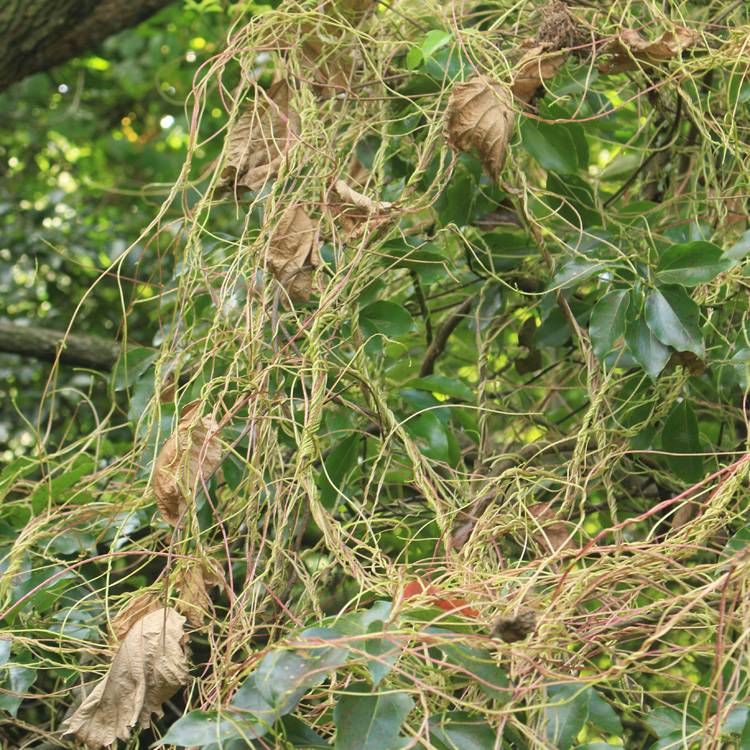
(77, 350)
(36, 35)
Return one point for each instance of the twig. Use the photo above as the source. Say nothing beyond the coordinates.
(438, 344)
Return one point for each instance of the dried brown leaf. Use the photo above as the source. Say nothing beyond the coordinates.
(479, 116)
(259, 140)
(193, 582)
(137, 608)
(556, 535)
(534, 69)
(512, 629)
(689, 361)
(293, 254)
(192, 451)
(148, 669)
(630, 48)
(357, 213)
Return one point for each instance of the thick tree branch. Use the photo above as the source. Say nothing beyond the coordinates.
(36, 35)
(74, 349)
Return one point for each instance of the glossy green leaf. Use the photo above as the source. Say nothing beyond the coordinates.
(5, 647)
(14, 682)
(201, 728)
(441, 384)
(740, 249)
(434, 40)
(745, 736)
(460, 730)
(741, 364)
(578, 206)
(691, 264)
(646, 348)
(735, 722)
(386, 318)
(131, 365)
(550, 144)
(674, 318)
(608, 320)
(284, 672)
(478, 663)
(681, 436)
(602, 715)
(428, 434)
(667, 720)
(339, 462)
(566, 713)
(370, 721)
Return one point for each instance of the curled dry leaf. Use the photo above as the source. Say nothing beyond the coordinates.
(512, 629)
(357, 212)
(479, 116)
(260, 140)
(534, 69)
(137, 608)
(630, 48)
(293, 254)
(148, 669)
(332, 61)
(192, 451)
(193, 582)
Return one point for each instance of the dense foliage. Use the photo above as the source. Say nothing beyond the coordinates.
(429, 426)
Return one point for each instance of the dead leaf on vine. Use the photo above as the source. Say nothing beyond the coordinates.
(260, 140)
(192, 451)
(293, 254)
(556, 536)
(137, 608)
(534, 69)
(148, 669)
(332, 61)
(689, 361)
(357, 213)
(513, 629)
(630, 48)
(479, 116)
(193, 582)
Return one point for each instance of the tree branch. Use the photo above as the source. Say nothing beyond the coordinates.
(77, 350)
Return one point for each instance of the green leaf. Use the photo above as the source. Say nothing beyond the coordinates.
(429, 435)
(386, 318)
(434, 40)
(608, 321)
(691, 264)
(681, 436)
(740, 249)
(200, 728)
(285, 674)
(460, 730)
(647, 350)
(5, 647)
(603, 716)
(370, 721)
(550, 144)
(578, 205)
(441, 384)
(340, 461)
(15, 682)
(666, 720)
(385, 652)
(673, 317)
(745, 736)
(131, 365)
(738, 542)
(741, 363)
(478, 662)
(567, 714)
(736, 721)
